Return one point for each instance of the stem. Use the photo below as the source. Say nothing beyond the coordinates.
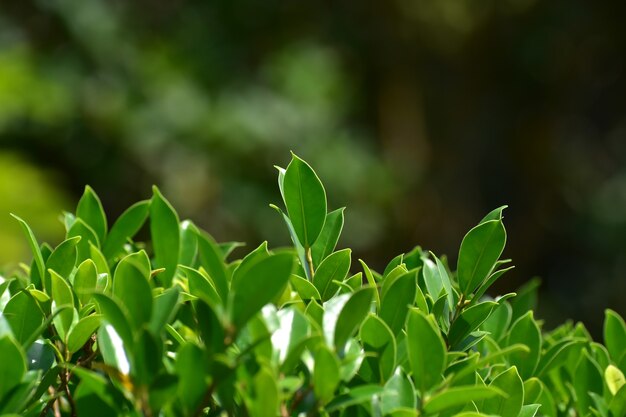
(309, 260)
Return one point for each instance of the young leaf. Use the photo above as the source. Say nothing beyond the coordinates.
(469, 320)
(258, 286)
(85, 281)
(334, 268)
(305, 199)
(34, 246)
(329, 236)
(525, 330)
(325, 374)
(509, 382)
(480, 249)
(614, 334)
(62, 259)
(125, 227)
(614, 379)
(426, 350)
(132, 289)
(90, 210)
(212, 261)
(82, 331)
(164, 228)
(62, 296)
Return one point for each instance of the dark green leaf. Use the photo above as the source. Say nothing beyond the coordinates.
(212, 261)
(614, 334)
(12, 365)
(90, 210)
(82, 331)
(62, 296)
(352, 314)
(525, 330)
(469, 320)
(397, 301)
(378, 340)
(164, 228)
(325, 374)
(125, 227)
(480, 249)
(87, 234)
(587, 378)
(426, 350)
(165, 307)
(190, 364)
(23, 315)
(132, 289)
(334, 268)
(509, 382)
(116, 318)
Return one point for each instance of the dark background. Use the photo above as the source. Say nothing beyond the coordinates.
(420, 116)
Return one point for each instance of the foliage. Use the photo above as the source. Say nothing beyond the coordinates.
(102, 324)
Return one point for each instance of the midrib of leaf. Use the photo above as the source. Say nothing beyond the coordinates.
(306, 237)
(329, 281)
(482, 253)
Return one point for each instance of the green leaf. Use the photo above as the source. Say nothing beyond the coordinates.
(87, 234)
(62, 259)
(188, 243)
(148, 357)
(85, 281)
(62, 296)
(259, 285)
(12, 365)
(125, 227)
(495, 214)
(95, 396)
(115, 317)
(357, 395)
(614, 334)
(34, 246)
(304, 288)
(617, 406)
(249, 261)
(426, 350)
(614, 379)
(293, 329)
(397, 300)
(132, 289)
(90, 210)
(266, 399)
(164, 228)
(437, 275)
(456, 396)
(325, 374)
(329, 236)
(82, 331)
(469, 320)
(164, 309)
(509, 382)
(212, 261)
(529, 410)
(201, 286)
(23, 315)
(352, 314)
(525, 330)
(480, 249)
(587, 378)
(334, 268)
(371, 281)
(296, 243)
(190, 363)
(378, 340)
(114, 349)
(305, 199)
(399, 393)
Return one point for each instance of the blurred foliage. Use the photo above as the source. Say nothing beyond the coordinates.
(407, 108)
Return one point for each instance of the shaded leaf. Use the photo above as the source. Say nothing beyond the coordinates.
(426, 350)
(334, 268)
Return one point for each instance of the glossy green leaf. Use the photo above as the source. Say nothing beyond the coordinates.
(82, 331)
(617, 406)
(529, 410)
(325, 374)
(115, 351)
(371, 281)
(23, 315)
(525, 330)
(509, 382)
(480, 249)
(201, 286)
(302, 255)
(426, 350)
(305, 289)
(188, 243)
(62, 295)
(259, 285)
(614, 334)
(12, 364)
(34, 246)
(164, 228)
(164, 309)
(62, 259)
(115, 317)
(85, 281)
(212, 261)
(87, 234)
(469, 320)
(462, 395)
(329, 236)
(397, 300)
(132, 289)
(351, 316)
(399, 393)
(380, 344)
(292, 329)
(587, 378)
(90, 210)
(125, 227)
(305, 199)
(334, 268)
(258, 254)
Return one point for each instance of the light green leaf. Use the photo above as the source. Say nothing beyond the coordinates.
(456, 396)
(164, 228)
(352, 314)
(509, 382)
(397, 300)
(305, 199)
(201, 286)
(34, 246)
(617, 406)
(480, 249)
(188, 243)
(529, 410)
(371, 282)
(495, 214)
(87, 234)
(62, 296)
(115, 317)
(426, 350)
(304, 288)
(23, 315)
(614, 379)
(525, 330)
(258, 286)
(212, 261)
(85, 281)
(90, 210)
(614, 334)
(334, 268)
(82, 331)
(399, 393)
(329, 236)
(326, 375)
(114, 349)
(357, 395)
(125, 227)
(12, 365)
(266, 399)
(62, 259)
(378, 340)
(132, 289)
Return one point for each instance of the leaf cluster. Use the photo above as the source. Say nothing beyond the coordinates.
(103, 324)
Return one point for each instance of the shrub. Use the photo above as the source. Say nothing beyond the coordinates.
(103, 325)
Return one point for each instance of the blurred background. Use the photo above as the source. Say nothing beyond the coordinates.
(419, 116)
